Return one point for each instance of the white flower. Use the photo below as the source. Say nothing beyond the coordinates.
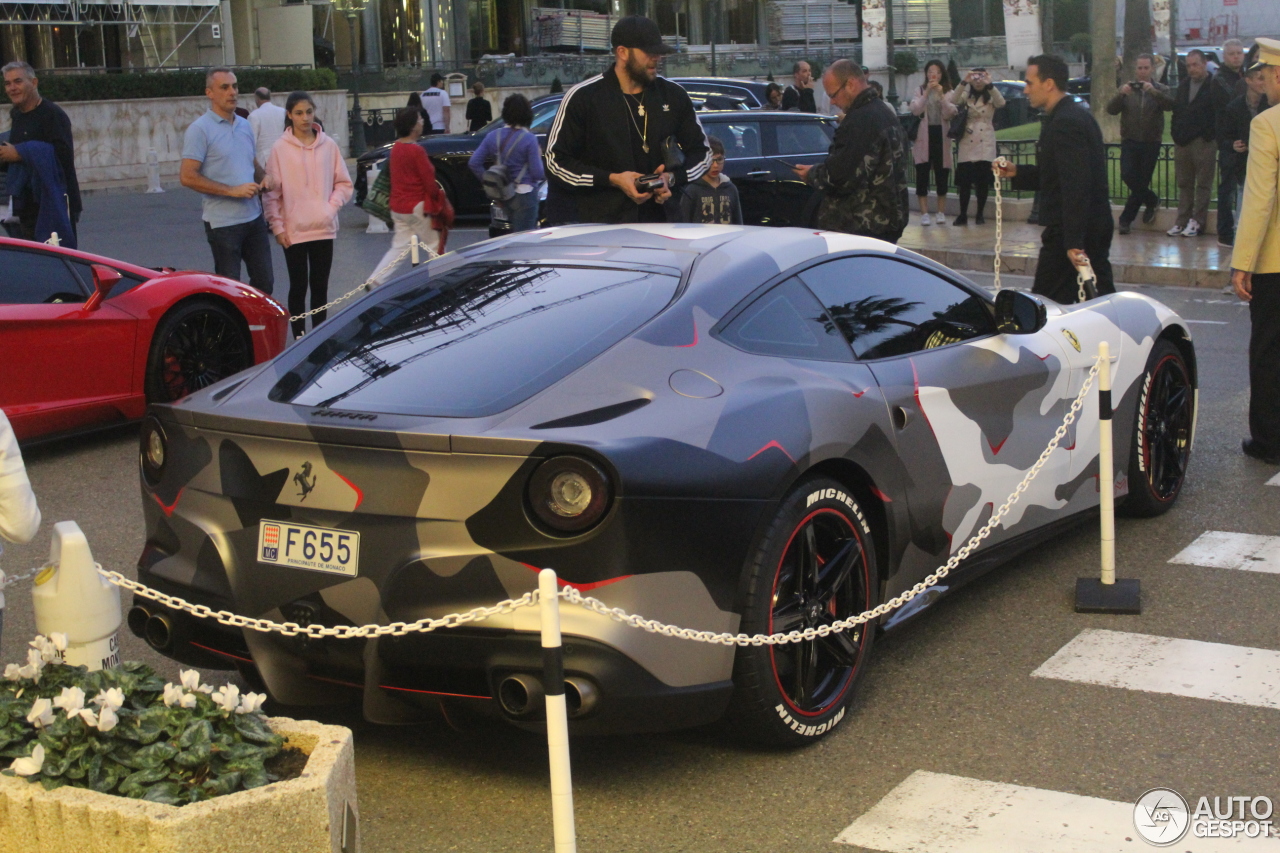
(107, 718)
(228, 698)
(89, 717)
(173, 694)
(35, 664)
(41, 713)
(50, 648)
(29, 766)
(191, 681)
(70, 700)
(112, 698)
(251, 703)
(12, 672)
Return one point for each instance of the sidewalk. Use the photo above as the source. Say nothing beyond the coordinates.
(1142, 257)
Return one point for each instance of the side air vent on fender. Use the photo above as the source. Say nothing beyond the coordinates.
(595, 416)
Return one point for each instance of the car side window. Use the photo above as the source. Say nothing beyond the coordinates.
(786, 321)
(741, 138)
(35, 278)
(801, 137)
(85, 272)
(885, 307)
(543, 117)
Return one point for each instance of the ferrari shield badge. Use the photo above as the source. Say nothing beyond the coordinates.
(1075, 342)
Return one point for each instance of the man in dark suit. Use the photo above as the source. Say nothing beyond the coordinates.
(1071, 177)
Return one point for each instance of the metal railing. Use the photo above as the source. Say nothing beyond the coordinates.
(1163, 181)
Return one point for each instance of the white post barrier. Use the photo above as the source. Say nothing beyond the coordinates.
(153, 172)
(376, 225)
(53, 240)
(71, 598)
(557, 715)
(413, 250)
(1106, 594)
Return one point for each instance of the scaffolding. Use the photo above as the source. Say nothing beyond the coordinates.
(162, 27)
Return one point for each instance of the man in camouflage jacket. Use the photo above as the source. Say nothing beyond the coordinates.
(864, 178)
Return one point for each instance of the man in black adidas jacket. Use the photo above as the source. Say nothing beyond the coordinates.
(611, 130)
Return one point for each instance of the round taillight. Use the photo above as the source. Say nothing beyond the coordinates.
(569, 494)
(154, 450)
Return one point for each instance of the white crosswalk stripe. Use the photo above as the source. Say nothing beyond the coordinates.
(939, 813)
(1217, 549)
(1274, 481)
(1215, 671)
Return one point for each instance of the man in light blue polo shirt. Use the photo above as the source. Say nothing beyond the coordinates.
(218, 162)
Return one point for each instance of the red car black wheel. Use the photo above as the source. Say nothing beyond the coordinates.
(1161, 446)
(195, 345)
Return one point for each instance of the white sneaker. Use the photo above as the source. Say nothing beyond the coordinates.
(1192, 229)
(1175, 230)
(925, 219)
(940, 218)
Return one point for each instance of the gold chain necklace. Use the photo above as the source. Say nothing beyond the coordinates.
(644, 135)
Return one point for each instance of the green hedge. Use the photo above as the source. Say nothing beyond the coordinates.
(171, 84)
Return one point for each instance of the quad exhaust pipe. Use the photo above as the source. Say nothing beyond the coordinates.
(522, 697)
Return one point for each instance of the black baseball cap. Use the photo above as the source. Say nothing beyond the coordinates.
(639, 32)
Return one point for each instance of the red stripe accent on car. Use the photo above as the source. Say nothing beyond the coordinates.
(767, 446)
(695, 337)
(580, 587)
(995, 448)
(433, 692)
(168, 510)
(881, 495)
(218, 651)
(354, 487)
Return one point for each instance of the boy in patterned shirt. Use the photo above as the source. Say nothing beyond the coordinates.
(712, 200)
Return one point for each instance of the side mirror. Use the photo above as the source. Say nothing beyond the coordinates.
(104, 278)
(1019, 313)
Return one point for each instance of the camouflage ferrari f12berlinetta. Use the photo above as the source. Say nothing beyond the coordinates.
(721, 428)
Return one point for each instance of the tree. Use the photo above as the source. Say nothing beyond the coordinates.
(1103, 84)
(1137, 33)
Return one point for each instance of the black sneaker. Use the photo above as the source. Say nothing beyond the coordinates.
(1259, 451)
(1149, 215)
(962, 219)
(1124, 227)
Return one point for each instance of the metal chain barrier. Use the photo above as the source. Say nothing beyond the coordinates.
(12, 580)
(369, 283)
(1082, 277)
(573, 596)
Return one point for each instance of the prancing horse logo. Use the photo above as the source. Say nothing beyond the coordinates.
(1072, 339)
(302, 481)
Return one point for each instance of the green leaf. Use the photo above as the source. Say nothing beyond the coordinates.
(164, 792)
(154, 755)
(196, 756)
(254, 727)
(143, 778)
(255, 777)
(198, 732)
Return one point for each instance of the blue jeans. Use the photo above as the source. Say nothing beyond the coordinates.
(1229, 179)
(523, 210)
(248, 241)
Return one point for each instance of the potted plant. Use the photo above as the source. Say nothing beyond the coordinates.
(163, 766)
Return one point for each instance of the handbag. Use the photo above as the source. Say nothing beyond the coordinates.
(377, 201)
(910, 126)
(958, 122)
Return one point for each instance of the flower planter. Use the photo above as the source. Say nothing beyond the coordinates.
(314, 813)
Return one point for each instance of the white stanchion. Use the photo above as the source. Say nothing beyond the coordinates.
(557, 715)
(413, 249)
(1106, 594)
(376, 225)
(53, 240)
(153, 172)
(71, 598)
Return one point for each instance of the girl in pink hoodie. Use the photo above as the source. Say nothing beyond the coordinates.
(309, 184)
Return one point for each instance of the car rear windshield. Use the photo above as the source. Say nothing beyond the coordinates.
(475, 340)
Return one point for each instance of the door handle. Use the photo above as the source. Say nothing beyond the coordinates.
(760, 175)
(901, 417)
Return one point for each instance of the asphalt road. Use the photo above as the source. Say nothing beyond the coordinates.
(951, 692)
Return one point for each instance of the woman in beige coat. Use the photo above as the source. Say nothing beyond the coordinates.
(978, 145)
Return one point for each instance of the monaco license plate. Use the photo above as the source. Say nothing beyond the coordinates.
(316, 549)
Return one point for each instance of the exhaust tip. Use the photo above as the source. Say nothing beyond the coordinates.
(520, 695)
(137, 620)
(581, 696)
(158, 633)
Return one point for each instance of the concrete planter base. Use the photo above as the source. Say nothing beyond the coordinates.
(309, 814)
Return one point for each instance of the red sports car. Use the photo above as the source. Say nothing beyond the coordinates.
(88, 341)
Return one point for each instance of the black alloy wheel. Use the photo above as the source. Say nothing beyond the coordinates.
(195, 345)
(816, 567)
(1161, 448)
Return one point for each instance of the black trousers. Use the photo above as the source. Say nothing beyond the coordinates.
(1056, 277)
(934, 165)
(1230, 177)
(1264, 361)
(1137, 165)
(971, 175)
(309, 264)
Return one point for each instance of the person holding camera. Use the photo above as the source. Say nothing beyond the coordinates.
(978, 141)
(932, 149)
(611, 153)
(1141, 105)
